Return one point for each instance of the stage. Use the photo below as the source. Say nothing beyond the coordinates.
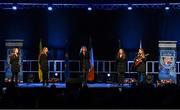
(63, 85)
(105, 41)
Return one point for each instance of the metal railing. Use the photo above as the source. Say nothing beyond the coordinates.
(100, 66)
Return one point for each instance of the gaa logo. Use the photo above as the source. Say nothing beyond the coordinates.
(167, 61)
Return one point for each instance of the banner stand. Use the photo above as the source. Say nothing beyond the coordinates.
(167, 61)
(10, 44)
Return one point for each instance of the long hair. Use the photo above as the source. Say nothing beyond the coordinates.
(43, 50)
(82, 48)
(123, 54)
(13, 51)
(143, 53)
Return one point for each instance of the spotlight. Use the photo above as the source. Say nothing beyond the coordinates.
(89, 8)
(56, 74)
(14, 7)
(108, 75)
(50, 8)
(129, 8)
(167, 8)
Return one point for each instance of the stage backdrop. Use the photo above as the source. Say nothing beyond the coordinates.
(167, 65)
(106, 27)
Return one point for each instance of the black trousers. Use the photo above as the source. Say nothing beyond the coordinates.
(121, 76)
(14, 75)
(141, 77)
(85, 74)
(45, 76)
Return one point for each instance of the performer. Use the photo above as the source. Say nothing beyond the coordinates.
(15, 66)
(121, 65)
(85, 63)
(43, 61)
(140, 65)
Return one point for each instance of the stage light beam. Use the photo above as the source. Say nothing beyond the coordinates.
(89, 8)
(56, 74)
(50, 8)
(167, 8)
(129, 8)
(108, 75)
(14, 7)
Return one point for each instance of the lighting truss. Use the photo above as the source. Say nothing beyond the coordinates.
(85, 5)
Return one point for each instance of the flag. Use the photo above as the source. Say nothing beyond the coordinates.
(39, 69)
(140, 46)
(119, 45)
(91, 58)
(91, 72)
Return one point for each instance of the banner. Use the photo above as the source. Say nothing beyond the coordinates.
(167, 62)
(39, 69)
(10, 44)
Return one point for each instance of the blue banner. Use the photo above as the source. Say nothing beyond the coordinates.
(167, 64)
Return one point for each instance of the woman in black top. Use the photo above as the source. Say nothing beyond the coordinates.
(121, 65)
(43, 61)
(140, 65)
(15, 66)
(85, 63)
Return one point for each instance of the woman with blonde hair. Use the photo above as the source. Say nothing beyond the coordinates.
(85, 63)
(43, 61)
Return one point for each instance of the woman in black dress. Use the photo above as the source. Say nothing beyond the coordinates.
(121, 65)
(43, 61)
(15, 66)
(85, 63)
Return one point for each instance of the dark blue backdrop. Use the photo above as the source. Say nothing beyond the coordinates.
(105, 27)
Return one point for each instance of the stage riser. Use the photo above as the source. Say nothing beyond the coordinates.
(101, 77)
